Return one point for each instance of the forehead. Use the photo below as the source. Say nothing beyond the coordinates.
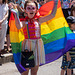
(31, 4)
(74, 10)
(71, 23)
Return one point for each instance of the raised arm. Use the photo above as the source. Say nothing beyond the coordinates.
(17, 21)
(50, 16)
(19, 8)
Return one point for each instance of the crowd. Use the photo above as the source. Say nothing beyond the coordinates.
(68, 8)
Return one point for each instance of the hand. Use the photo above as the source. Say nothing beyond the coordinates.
(17, 5)
(14, 11)
(68, 58)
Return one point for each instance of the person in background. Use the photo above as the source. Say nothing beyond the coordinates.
(68, 62)
(42, 2)
(72, 11)
(66, 7)
(71, 14)
(10, 5)
(72, 3)
(3, 23)
(20, 7)
(48, 0)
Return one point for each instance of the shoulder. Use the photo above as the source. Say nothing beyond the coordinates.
(23, 21)
(5, 4)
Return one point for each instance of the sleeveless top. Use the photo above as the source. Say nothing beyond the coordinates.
(31, 29)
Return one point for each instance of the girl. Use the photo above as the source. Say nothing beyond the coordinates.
(3, 23)
(68, 62)
(33, 41)
(67, 56)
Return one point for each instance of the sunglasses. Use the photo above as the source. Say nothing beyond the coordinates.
(30, 8)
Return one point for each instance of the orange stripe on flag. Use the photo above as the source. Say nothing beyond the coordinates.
(44, 10)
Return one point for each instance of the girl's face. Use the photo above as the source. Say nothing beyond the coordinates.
(72, 26)
(1, 1)
(74, 13)
(31, 10)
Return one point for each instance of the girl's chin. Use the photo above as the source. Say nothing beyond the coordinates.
(31, 16)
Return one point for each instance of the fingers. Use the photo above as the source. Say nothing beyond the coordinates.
(14, 11)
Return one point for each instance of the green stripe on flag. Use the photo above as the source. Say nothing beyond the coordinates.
(16, 47)
(55, 35)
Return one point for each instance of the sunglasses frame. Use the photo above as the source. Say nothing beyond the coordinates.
(30, 8)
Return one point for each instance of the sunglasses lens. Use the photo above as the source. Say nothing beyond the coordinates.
(33, 8)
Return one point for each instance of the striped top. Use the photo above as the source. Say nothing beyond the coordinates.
(72, 51)
(32, 29)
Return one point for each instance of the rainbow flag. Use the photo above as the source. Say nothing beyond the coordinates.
(56, 35)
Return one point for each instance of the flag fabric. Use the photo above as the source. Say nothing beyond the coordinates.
(55, 33)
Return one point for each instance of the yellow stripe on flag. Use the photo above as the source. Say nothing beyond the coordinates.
(53, 25)
(16, 37)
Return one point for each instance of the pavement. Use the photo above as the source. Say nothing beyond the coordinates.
(48, 69)
(52, 68)
(8, 67)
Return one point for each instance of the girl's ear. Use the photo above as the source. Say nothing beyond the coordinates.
(36, 10)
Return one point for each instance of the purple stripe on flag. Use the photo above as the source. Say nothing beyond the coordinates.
(52, 56)
(21, 69)
(55, 55)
